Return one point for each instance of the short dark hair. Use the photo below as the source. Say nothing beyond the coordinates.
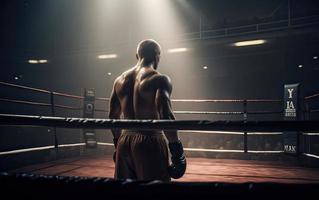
(148, 49)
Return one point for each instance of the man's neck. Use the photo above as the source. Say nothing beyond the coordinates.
(142, 64)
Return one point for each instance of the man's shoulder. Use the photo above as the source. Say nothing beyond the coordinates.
(163, 78)
(163, 81)
(124, 75)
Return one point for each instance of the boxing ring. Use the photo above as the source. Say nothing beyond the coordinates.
(228, 175)
(198, 170)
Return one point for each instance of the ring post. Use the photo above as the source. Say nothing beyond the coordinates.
(306, 140)
(292, 112)
(307, 111)
(88, 112)
(245, 120)
(56, 146)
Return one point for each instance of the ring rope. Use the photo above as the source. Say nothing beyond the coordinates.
(311, 134)
(25, 102)
(314, 110)
(240, 126)
(39, 104)
(226, 100)
(311, 96)
(26, 150)
(25, 87)
(214, 112)
(41, 90)
(264, 112)
(211, 100)
(68, 107)
(208, 112)
(265, 133)
(3, 153)
(231, 133)
(215, 150)
(105, 144)
(102, 98)
(176, 112)
(311, 155)
(255, 151)
(39, 148)
(68, 95)
(173, 100)
(207, 100)
(212, 132)
(264, 100)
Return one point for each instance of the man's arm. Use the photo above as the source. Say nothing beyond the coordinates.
(164, 107)
(115, 113)
(178, 167)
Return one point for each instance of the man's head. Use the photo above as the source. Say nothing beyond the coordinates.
(149, 51)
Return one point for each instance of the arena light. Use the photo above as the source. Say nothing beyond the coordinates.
(107, 56)
(42, 61)
(177, 50)
(249, 43)
(33, 61)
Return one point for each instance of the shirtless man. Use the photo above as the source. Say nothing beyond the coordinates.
(143, 93)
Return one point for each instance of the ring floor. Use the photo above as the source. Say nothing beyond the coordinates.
(198, 170)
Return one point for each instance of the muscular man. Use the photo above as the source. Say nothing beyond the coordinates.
(143, 93)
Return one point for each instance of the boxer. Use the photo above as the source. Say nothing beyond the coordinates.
(143, 93)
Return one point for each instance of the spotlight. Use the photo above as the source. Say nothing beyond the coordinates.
(109, 73)
(315, 57)
(249, 43)
(300, 66)
(177, 50)
(16, 78)
(205, 67)
(107, 56)
(33, 61)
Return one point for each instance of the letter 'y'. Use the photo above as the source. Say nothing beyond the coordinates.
(290, 92)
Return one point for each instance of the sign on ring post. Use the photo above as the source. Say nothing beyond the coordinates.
(292, 112)
(88, 112)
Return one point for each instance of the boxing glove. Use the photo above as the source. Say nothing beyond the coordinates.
(115, 146)
(178, 167)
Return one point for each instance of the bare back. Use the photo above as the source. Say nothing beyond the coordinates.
(136, 90)
(142, 93)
